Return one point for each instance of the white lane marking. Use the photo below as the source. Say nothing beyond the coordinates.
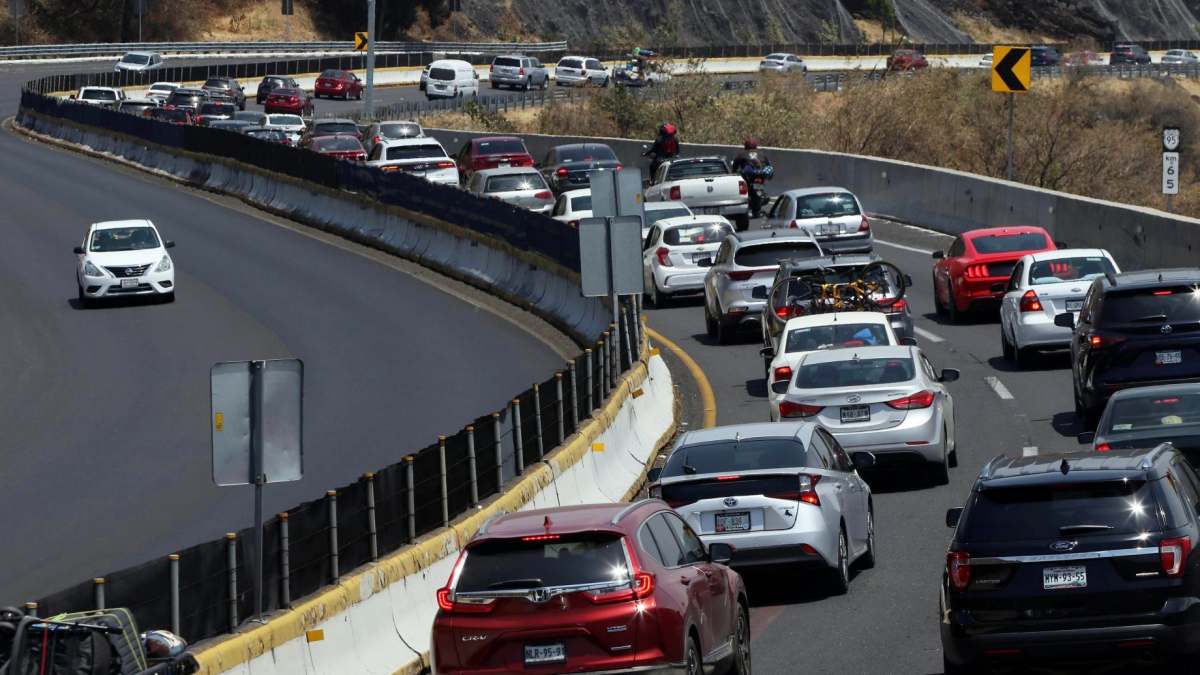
(932, 337)
(998, 387)
(1029, 451)
(902, 247)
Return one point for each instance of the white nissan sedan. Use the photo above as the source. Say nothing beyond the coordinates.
(123, 258)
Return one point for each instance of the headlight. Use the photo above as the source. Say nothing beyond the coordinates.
(164, 265)
(90, 270)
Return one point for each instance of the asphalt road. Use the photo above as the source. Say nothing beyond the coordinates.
(887, 623)
(105, 462)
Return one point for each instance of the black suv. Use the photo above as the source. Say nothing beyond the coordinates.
(1074, 557)
(1128, 53)
(1134, 329)
(226, 88)
(1044, 55)
(190, 99)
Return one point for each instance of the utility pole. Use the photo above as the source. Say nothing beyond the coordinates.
(369, 110)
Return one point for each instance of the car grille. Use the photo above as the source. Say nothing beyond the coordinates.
(117, 290)
(133, 271)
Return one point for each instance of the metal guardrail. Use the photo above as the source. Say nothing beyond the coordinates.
(118, 48)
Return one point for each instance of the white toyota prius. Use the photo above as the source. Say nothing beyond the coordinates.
(124, 258)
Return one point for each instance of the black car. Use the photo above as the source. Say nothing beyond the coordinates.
(226, 88)
(1134, 329)
(270, 82)
(1128, 53)
(1074, 557)
(1044, 55)
(1143, 417)
(569, 167)
(190, 99)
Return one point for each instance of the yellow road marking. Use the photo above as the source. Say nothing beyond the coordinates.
(706, 391)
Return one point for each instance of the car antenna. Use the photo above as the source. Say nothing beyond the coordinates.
(737, 438)
(1064, 467)
(1160, 277)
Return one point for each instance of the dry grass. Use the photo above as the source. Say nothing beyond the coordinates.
(982, 30)
(262, 21)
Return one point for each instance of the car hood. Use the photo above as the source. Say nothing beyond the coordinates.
(127, 258)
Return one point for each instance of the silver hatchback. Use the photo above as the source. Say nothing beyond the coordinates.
(831, 214)
(781, 494)
(522, 186)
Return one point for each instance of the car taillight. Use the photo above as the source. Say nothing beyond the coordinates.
(864, 225)
(1173, 553)
(921, 399)
(641, 587)
(562, 172)
(482, 163)
(544, 195)
(1103, 447)
(521, 72)
(784, 313)
(975, 272)
(1030, 302)
(897, 305)
(783, 374)
(663, 254)
(807, 491)
(1103, 341)
(675, 193)
(375, 139)
(792, 410)
(794, 225)
(958, 569)
(446, 164)
(293, 99)
(618, 167)
(743, 189)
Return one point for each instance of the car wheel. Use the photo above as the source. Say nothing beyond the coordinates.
(1021, 357)
(494, 85)
(742, 222)
(84, 301)
(840, 574)
(168, 298)
(693, 661)
(710, 324)
(605, 84)
(1005, 346)
(867, 561)
(940, 471)
(658, 298)
(949, 668)
(741, 642)
(938, 307)
(952, 310)
(726, 332)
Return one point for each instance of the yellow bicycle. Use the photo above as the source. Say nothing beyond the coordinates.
(875, 287)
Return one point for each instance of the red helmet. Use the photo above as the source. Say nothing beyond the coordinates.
(749, 143)
(668, 129)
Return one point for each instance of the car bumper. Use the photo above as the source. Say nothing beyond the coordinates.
(739, 209)
(808, 541)
(571, 80)
(678, 279)
(974, 291)
(918, 438)
(158, 283)
(435, 91)
(280, 109)
(328, 91)
(744, 312)
(1035, 329)
(508, 79)
(849, 244)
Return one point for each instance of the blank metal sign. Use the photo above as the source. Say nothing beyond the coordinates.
(280, 427)
(618, 252)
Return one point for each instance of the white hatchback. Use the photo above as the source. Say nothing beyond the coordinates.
(678, 252)
(573, 206)
(121, 258)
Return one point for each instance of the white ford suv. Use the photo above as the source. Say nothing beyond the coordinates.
(124, 257)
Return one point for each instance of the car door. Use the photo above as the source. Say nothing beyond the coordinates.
(682, 581)
(712, 590)
(942, 270)
(860, 492)
(945, 399)
(648, 248)
(1010, 304)
(778, 215)
(839, 484)
(595, 71)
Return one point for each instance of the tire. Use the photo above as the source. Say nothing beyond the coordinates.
(938, 307)
(545, 83)
(741, 643)
(659, 300)
(606, 80)
(742, 223)
(710, 324)
(168, 298)
(1021, 357)
(949, 668)
(952, 311)
(839, 576)
(526, 85)
(494, 85)
(939, 472)
(84, 301)
(867, 561)
(693, 661)
(726, 332)
(1006, 347)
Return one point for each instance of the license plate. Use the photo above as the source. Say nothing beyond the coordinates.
(504, 164)
(827, 228)
(1064, 577)
(856, 413)
(545, 653)
(129, 283)
(1168, 358)
(733, 522)
(1074, 305)
(701, 257)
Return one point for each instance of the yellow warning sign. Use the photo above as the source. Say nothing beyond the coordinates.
(1011, 69)
(361, 41)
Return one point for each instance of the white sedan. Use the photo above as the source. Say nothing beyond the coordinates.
(1041, 286)
(815, 332)
(573, 206)
(121, 258)
(292, 125)
(159, 91)
(677, 253)
(421, 157)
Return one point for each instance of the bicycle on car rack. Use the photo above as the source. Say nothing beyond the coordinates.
(875, 287)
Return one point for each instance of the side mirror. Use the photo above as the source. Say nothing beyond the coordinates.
(767, 353)
(1061, 244)
(952, 516)
(863, 460)
(720, 553)
(908, 280)
(759, 293)
(949, 375)
(1064, 320)
(704, 262)
(654, 474)
(168, 244)
(907, 341)
(938, 255)
(78, 250)
(999, 287)
(1086, 437)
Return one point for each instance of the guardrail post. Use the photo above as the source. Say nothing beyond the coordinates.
(445, 490)
(285, 563)
(499, 452)
(537, 420)
(412, 498)
(370, 478)
(231, 552)
(98, 592)
(31, 609)
(471, 465)
(333, 534)
(628, 330)
(587, 381)
(574, 394)
(173, 563)
(637, 326)
(602, 352)
(558, 405)
(518, 437)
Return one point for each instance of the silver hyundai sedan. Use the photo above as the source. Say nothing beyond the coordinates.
(887, 400)
(781, 494)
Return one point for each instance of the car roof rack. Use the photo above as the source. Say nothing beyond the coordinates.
(488, 523)
(1148, 461)
(633, 506)
(987, 470)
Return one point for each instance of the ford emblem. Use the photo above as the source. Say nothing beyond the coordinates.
(1062, 546)
(730, 501)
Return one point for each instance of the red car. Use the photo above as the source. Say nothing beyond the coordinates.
(490, 152)
(906, 59)
(338, 84)
(293, 101)
(979, 260)
(601, 588)
(342, 146)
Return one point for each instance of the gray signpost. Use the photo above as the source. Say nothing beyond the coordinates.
(610, 242)
(257, 433)
(1170, 166)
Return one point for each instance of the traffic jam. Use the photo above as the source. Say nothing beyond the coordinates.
(1074, 556)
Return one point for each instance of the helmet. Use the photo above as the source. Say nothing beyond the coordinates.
(162, 644)
(667, 129)
(749, 143)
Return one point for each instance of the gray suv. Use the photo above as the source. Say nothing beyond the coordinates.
(746, 261)
(523, 72)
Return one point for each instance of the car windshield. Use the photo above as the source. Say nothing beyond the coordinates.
(1167, 304)
(250, 116)
(504, 146)
(826, 205)
(399, 130)
(285, 120)
(585, 153)
(513, 564)
(338, 143)
(1159, 412)
(693, 169)
(123, 239)
(515, 182)
(570, 63)
(837, 335)
(1063, 270)
(136, 59)
(760, 255)
(216, 83)
(323, 128)
(581, 203)
(1009, 243)
(855, 372)
(415, 151)
(733, 455)
(692, 235)
(506, 61)
(332, 74)
(100, 94)
(446, 74)
(1057, 510)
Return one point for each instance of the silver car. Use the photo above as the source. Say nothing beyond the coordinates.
(139, 61)
(782, 63)
(831, 214)
(1180, 57)
(518, 72)
(521, 186)
(745, 262)
(580, 70)
(885, 400)
(781, 494)
(254, 117)
(1143, 417)
(391, 130)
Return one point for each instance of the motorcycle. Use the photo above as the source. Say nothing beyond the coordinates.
(756, 178)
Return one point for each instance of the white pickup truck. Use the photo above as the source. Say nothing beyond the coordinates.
(705, 185)
(103, 96)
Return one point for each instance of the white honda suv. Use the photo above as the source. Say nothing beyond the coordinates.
(122, 258)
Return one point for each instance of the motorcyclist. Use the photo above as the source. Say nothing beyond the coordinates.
(753, 163)
(666, 146)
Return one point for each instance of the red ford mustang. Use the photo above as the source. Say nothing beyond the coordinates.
(977, 260)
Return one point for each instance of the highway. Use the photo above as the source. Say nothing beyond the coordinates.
(106, 446)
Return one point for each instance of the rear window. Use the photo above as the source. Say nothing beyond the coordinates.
(100, 94)
(1154, 413)
(855, 373)
(285, 120)
(335, 128)
(441, 74)
(678, 494)
(515, 564)
(731, 456)
(655, 215)
(1061, 510)
(216, 109)
(1170, 304)
(694, 235)
(400, 130)
(826, 205)
(712, 167)
(336, 143)
(250, 116)
(837, 335)
(1064, 270)
(770, 254)
(415, 151)
(216, 82)
(266, 134)
(507, 62)
(582, 203)
(585, 153)
(506, 146)
(335, 74)
(515, 182)
(1010, 243)
(570, 63)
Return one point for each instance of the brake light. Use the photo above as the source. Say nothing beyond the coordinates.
(729, 477)
(482, 163)
(641, 588)
(783, 373)
(743, 189)
(740, 276)
(1030, 302)
(675, 193)
(783, 312)
(793, 410)
(794, 225)
(1173, 553)
(897, 305)
(958, 569)
(541, 537)
(921, 399)
(1103, 447)
(544, 195)
(445, 165)
(1163, 292)
(521, 71)
(806, 491)
(376, 139)
(864, 225)
(1102, 341)
(663, 254)
(293, 99)
(618, 167)
(562, 172)
(975, 271)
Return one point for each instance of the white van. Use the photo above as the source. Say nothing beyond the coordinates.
(450, 78)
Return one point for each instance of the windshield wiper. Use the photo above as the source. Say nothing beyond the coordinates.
(1079, 529)
(517, 583)
(1149, 317)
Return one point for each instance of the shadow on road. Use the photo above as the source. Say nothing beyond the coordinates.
(978, 317)
(903, 478)
(1036, 362)
(757, 387)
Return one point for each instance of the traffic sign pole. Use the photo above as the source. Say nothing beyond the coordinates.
(369, 107)
(1012, 101)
